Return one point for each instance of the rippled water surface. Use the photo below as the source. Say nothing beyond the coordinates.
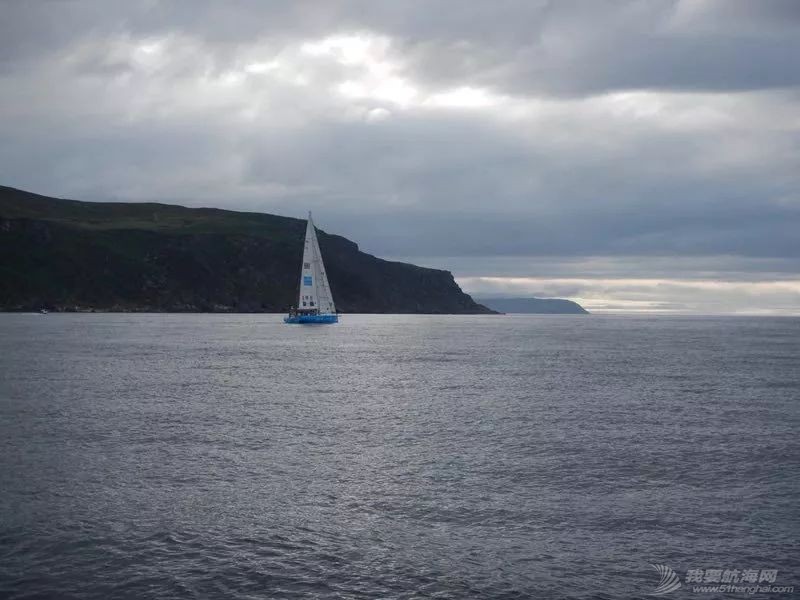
(161, 456)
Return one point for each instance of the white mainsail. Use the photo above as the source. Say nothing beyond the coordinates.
(315, 293)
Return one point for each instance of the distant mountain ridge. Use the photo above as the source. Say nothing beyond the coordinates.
(548, 306)
(73, 255)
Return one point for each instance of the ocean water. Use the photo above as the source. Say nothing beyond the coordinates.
(204, 456)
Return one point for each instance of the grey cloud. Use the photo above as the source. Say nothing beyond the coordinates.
(615, 48)
(640, 202)
(710, 267)
(564, 47)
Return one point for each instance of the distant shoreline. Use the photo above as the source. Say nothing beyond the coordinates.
(537, 306)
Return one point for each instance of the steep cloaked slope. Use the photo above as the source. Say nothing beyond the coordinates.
(67, 254)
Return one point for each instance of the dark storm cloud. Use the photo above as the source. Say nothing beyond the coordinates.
(451, 129)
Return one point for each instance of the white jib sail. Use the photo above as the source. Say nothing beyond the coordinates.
(315, 293)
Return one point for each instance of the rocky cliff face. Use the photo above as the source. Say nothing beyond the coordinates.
(67, 255)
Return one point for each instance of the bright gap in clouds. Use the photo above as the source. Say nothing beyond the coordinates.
(463, 97)
(377, 74)
(679, 296)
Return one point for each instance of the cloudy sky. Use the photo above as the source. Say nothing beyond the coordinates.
(632, 155)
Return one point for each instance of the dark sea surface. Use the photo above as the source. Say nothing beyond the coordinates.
(233, 456)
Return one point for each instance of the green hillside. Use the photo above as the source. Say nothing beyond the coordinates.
(72, 255)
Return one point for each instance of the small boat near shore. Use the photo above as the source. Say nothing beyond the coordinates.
(315, 300)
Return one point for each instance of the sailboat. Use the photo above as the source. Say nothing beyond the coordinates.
(315, 300)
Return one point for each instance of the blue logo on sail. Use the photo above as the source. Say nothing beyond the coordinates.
(306, 279)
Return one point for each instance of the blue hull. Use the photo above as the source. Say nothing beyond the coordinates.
(309, 319)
